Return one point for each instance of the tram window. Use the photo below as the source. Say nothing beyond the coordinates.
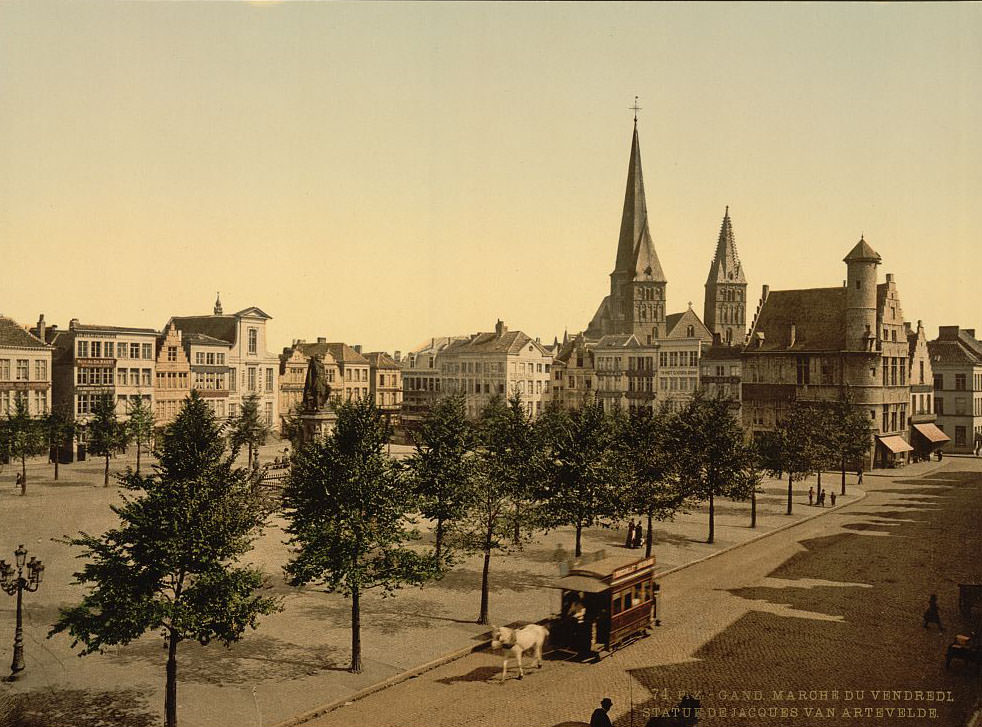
(638, 596)
(647, 590)
(617, 604)
(627, 599)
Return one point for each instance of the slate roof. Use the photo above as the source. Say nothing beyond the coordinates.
(721, 352)
(490, 342)
(635, 250)
(13, 335)
(220, 327)
(202, 339)
(862, 252)
(381, 360)
(962, 349)
(818, 315)
(89, 327)
(340, 352)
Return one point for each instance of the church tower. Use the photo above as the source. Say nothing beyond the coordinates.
(725, 310)
(636, 304)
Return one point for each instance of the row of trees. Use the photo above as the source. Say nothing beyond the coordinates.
(23, 436)
(353, 513)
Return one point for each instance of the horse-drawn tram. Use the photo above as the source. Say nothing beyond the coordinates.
(607, 602)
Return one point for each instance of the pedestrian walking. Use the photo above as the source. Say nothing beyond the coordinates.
(832, 497)
(638, 535)
(821, 498)
(933, 614)
(599, 717)
(811, 495)
(21, 483)
(859, 476)
(629, 542)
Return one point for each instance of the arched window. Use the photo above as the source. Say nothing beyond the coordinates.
(690, 331)
(729, 335)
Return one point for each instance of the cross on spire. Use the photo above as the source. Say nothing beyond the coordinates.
(635, 108)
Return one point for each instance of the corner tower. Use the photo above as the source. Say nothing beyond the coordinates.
(860, 311)
(725, 309)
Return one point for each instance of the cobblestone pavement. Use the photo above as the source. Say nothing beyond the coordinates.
(822, 620)
(296, 660)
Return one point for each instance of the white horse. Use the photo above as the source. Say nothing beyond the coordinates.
(516, 641)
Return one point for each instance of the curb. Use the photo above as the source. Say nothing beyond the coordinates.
(460, 653)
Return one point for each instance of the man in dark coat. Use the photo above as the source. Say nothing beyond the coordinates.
(599, 717)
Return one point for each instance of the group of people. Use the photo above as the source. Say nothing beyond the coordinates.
(821, 497)
(635, 535)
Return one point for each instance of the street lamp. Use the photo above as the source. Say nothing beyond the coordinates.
(11, 585)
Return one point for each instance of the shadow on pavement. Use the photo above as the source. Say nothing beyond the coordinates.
(78, 708)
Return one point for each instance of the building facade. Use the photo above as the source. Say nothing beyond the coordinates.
(421, 383)
(173, 377)
(925, 436)
(250, 367)
(385, 385)
(820, 344)
(497, 363)
(956, 363)
(25, 368)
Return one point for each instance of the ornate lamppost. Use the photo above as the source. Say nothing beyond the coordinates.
(18, 584)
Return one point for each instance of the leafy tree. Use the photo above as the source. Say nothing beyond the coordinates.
(582, 480)
(248, 428)
(488, 524)
(172, 563)
(442, 468)
(647, 456)
(141, 425)
(707, 442)
(23, 437)
(108, 436)
(292, 429)
(518, 460)
(747, 483)
(851, 434)
(348, 510)
(59, 427)
(790, 448)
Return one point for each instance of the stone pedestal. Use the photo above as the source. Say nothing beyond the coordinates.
(317, 424)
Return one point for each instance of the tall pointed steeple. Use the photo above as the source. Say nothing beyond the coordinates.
(725, 308)
(726, 267)
(636, 257)
(218, 304)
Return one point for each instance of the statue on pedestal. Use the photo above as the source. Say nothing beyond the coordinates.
(316, 389)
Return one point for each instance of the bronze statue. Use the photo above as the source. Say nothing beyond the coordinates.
(316, 389)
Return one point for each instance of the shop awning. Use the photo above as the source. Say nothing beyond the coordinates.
(895, 444)
(931, 433)
(581, 583)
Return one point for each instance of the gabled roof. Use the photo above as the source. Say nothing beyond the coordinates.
(618, 340)
(862, 252)
(253, 312)
(381, 360)
(14, 335)
(508, 342)
(726, 267)
(721, 352)
(635, 250)
(818, 315)
(677, 323)
(222, 328)
(950, 352)
(595, 329)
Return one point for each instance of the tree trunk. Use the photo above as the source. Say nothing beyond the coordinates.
(57, 457)
(516, 537)
(712, 518)
(483, 618)
(790, 479)
(106, 480)
(355, 632)
(439, 539)
(578, 551)
(753, 508)
(170, 692)
(23, 474)
(819, 490)
(138, 448)
(843, 475)
(651, 536)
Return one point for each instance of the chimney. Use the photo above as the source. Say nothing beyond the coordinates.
(321, 339)
(889, 277)
(764, 291)
(42, 329)
(500, 328)
(357, 348)
(970, 332)
(73, 324)
(397, 355)
(948, 332)
(793, 336)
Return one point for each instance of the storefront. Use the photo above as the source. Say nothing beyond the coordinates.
(927, 439)
(891, 451)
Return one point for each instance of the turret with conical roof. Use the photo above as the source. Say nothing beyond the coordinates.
(218, 304)
(725, 310)
(860, 311)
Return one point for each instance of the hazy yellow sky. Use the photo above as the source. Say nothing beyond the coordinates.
(381, 173)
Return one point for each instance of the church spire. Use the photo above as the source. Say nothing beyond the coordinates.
(726, 267)
(218, 304)
(635, 251)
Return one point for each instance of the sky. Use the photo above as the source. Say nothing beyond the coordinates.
(380, 173)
